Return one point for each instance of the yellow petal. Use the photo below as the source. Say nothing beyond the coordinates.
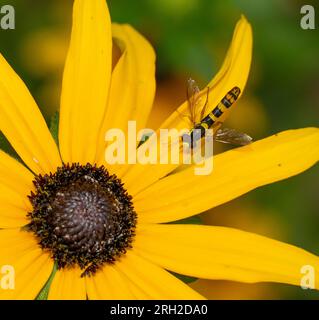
(132, 86)
(234, 72)
(108, 284)
(22, 123)
(234, 173)
(67, 284)
(85, 81)
(13, 209)
(153, 281)
(32, 267)
(224, 253)
(15, 186)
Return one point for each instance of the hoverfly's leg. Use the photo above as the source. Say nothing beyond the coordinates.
(203, 112)
(188, 139)
(193, 98)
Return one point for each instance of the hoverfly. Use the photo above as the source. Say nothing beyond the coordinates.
(211, 120)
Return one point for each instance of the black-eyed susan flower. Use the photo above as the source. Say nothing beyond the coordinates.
(66, 215)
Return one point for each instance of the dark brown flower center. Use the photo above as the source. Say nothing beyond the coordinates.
(82, 215)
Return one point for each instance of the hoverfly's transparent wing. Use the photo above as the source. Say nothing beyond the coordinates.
(193, 98)
(231, 136)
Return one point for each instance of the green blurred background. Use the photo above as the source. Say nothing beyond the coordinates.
(191, 38)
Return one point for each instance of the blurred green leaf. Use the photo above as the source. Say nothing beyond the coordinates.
(185, 279)
(191, 220)
(54, 127)
(144, 138)
(43, 295)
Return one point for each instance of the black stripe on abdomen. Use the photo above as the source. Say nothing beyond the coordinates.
(226, 102)
(217, 112)
(208, 120)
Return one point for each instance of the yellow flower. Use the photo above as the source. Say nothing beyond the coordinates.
(95, 98)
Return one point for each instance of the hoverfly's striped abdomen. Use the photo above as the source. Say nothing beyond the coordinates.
(231, 97)
(199, 130)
